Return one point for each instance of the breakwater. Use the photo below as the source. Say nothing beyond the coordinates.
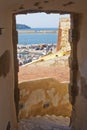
(37, 31)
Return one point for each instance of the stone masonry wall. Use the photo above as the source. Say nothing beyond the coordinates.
(63, 34)
(43, 96)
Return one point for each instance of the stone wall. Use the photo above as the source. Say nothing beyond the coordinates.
(7, 105)
(79, 72)
(63, 34)
(44, 96)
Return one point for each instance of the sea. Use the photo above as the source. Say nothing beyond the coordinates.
(25, 38)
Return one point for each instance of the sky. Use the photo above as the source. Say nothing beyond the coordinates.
(38, 20)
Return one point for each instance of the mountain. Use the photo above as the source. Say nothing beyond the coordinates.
(22, 27)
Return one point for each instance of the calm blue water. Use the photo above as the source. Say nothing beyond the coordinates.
(38, 38)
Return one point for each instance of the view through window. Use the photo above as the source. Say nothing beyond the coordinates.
(43, 51)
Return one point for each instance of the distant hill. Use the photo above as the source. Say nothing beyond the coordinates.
(22, 26)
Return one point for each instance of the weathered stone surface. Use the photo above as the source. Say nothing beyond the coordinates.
(44, 96)
(63, 35)
(4, 63)
(45, 123)
(84, 87)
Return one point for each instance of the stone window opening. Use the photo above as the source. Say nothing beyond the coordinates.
(72, 58)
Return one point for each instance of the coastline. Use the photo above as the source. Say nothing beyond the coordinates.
(30, 51)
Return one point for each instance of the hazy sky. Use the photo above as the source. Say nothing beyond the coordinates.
(39, 20)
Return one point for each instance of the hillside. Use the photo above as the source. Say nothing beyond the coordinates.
(22, 27)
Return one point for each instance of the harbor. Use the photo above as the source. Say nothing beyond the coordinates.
(29, 53)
